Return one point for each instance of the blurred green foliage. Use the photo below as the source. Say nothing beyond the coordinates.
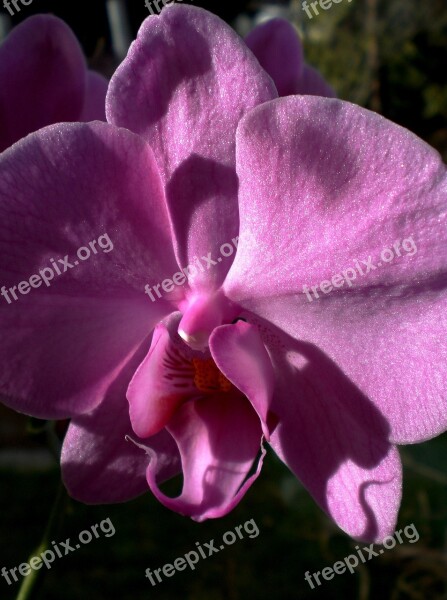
(387, 55)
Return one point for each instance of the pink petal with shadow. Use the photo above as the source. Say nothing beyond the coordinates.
(184, 86)
(61, 188)
(323, 183)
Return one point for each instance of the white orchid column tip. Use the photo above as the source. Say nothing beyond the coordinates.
(203, 313)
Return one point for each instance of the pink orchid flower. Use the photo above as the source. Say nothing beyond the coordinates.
(278, 48)
(44, 80)
(198, 153)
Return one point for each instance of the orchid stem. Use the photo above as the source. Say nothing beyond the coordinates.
(32, 583)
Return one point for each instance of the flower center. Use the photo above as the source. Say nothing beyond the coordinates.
(208, 378)
(202, 313)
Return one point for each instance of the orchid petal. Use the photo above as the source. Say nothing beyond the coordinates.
(313, 84)
(61, 188)
(241, 356)
(162, 382)
(279, 50)
(42, 74)
(333, 438)
(185, 84)
(324, 183)
(95, 98)
(101, 460)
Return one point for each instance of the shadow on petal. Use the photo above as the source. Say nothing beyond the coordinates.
(100, 464)
(202, 196)
(333, 438)
(176, 53)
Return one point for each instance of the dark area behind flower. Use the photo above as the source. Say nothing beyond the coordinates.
(387, 55)
(295, 537)
(390, 56)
